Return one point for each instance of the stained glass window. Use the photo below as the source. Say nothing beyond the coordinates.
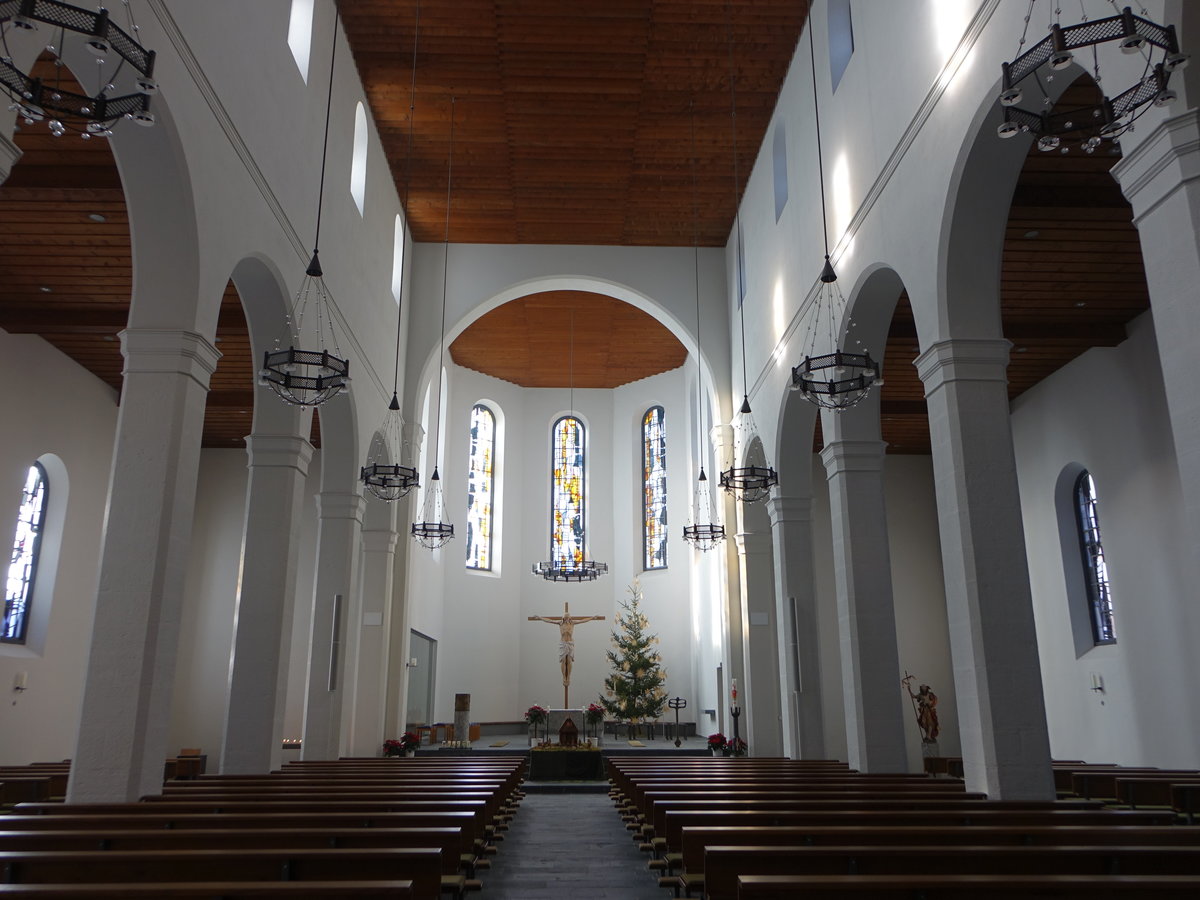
(566, 493)
(654, 489)
(481, 461)
(1095, 565)
(18, 588)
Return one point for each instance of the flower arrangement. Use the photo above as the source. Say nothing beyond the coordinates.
(407, 741)
(716, 741)
(535, 716)
(733, 748)
(594, 713)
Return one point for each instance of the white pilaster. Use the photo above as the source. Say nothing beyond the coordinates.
(760, 692)
(1161, 179)
(131, 668)
(866, 615)
(1001, 711)
(266, 601)
(337, 551)
(368, 678)
(796, 613)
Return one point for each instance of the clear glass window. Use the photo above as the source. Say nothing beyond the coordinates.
(358, 161)
(300, 34)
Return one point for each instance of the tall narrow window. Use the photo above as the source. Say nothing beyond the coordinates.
(779, 167)
(18, 589)
(358, 160)
(1095, 566)
(398, 258)
(300, 34)
(654, 489)
(481, 459)
(567, 546)
(841, 39)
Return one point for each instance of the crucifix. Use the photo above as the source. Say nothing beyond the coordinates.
(566, 643)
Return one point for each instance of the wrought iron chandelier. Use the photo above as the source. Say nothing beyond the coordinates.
(310, 377)
(704, 531)
(390, 481)
(1113, 116)
(564, 566)
(433, 532)
(754, 482)
(36, 99)
(838, 379)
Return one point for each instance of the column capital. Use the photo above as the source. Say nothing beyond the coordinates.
(154, 351)
(288, 451)
(340, 505)
(9, 154)
(1161, 164)
(963, 359)
(784, 510)
(379, 540)
(841, 457)
(753, 543)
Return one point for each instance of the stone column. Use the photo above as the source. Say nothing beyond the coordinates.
(337, 546)
(1161, 178)
(760, 722)
(796, 613)
(369, 678)
(131, 669)
(9, 154)
(266, 601)
(993, 642)
(866, 616)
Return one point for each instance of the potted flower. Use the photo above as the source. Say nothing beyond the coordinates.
(735, 747)
(716, 743)
(406, 745)
(535, 716)
(594, 715)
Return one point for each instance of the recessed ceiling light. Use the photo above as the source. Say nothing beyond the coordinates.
(1079, 304)
(44, 289)
(1032, 234)
(96, 217)
(1022, 349)
(109, 337)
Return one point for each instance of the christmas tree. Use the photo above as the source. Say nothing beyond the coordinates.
(635, 689)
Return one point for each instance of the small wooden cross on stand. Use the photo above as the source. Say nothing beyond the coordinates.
(566, 645)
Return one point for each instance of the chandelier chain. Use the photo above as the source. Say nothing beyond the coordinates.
(337, 12)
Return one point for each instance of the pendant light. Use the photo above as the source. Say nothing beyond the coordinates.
(389, 481)
(753, 482)
(310, 377)
(704, 531)
(837, 379)
(562, 567)
(433, 532)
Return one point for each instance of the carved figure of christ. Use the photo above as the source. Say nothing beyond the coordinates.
(566, 643)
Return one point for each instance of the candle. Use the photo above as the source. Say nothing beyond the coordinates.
(733, 691)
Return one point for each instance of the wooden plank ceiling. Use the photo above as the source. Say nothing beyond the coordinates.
(1072, 273)
(572, 120)
(568, 338)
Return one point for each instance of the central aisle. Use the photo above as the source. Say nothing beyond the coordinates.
(569, 845)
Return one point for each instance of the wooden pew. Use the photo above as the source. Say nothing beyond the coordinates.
(696, 839)
(723, 865)
(420, 865)
(989, 815)
(968, 887)
(224, 890)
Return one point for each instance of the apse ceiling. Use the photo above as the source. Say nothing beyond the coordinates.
(568, 339)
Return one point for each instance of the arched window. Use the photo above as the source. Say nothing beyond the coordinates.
(654, 489)
(567, 547)
(398, 258)
(18, 589)
(300, 34)
(481, 461)
(358, 159)
(1095, 566)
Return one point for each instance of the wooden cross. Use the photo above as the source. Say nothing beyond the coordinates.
(566, 644)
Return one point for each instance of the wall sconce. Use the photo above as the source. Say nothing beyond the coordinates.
(1097, 683)
(21, 681)
(411, 664)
